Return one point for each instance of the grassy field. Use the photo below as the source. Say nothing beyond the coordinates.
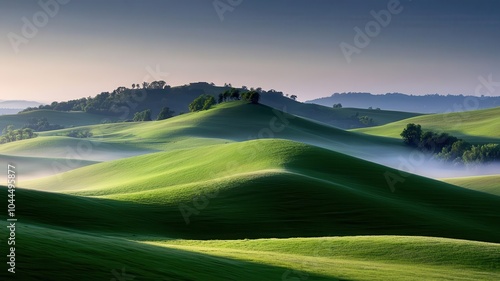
(227, 123)
(59, 254)
(285, 189)
(240, 192)
(475, 126)
(489, 184)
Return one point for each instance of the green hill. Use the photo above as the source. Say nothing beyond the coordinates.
(228, 122)
(479, 126)
(97, 257)
(285, 189)
(251, 174)
(36, 167)
(489, 184)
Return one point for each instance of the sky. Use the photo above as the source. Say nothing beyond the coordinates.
(66, 49)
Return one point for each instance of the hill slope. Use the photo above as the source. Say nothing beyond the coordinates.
(489, 184)
(474, 126)
(286, 189)
(228, 122)
(98, 257)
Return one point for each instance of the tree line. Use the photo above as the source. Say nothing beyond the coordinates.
(449, 148)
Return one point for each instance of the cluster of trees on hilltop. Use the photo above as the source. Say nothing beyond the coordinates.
(449, 148)
(9, 134)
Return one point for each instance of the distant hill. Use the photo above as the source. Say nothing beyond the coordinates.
(14, 106)
(18, 104)
(6, 111)
(409, 103)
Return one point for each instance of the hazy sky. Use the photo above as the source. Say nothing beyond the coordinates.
(87, 47)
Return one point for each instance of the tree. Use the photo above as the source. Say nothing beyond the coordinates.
(252, 96)
(142, 116)
(227, 95)
(293, 97)
(157, 84)
(202, 102)
(235, 94)
(337, 105)
(133, 86)
(145, 85)
(412, 134)
(165, 113)
(209, 102)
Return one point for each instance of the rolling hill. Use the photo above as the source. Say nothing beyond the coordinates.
(235, 178)
(96, 257)
(489, 184)
(227, 122)
(481, 126)
(285, 189)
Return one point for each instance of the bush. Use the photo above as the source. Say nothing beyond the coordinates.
(79, 134)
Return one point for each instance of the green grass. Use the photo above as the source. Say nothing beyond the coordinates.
(489, 184)
(479, 126)
(285, 189)
(59, 254)
(352, 257)
(35, 167)
(228, 122)
(336, 216)
(91, 149)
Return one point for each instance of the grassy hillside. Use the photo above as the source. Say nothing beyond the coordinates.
(489, 184)
(36, 167)
(284, 189)
(474, 126)
(245, 172)
(66, 119)
(93, 149)
(98, 257)
(235, 121)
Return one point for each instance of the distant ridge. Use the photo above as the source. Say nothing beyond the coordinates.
(410, 103)
(17, 104)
